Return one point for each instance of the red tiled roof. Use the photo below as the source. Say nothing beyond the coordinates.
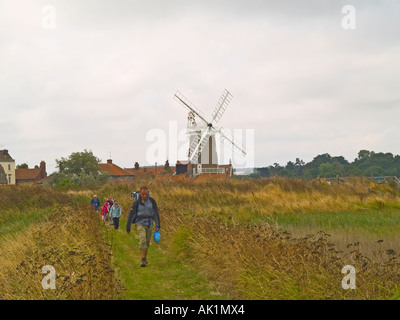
(160, 170)
(27, 174)
(114, 170)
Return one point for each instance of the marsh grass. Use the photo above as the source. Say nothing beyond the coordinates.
(36, 233)
(71, 242)
(280, 238)
(247, 239)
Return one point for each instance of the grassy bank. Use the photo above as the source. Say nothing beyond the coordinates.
(91, 260)
(271, 236)
(53, 228)
(248, 239)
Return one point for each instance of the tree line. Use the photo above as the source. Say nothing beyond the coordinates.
(81, 168)
(367, 164)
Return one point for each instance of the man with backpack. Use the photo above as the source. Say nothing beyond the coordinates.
(144, 213)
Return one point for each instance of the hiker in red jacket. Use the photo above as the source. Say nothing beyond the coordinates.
(105, 210)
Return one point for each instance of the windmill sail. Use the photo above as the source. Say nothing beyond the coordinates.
(221, 106)
(183, 100)
(227, 138)
(197, 148)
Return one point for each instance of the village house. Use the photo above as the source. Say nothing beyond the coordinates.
(35, 175)
(7, 168)
(3, 177)
(115, 172)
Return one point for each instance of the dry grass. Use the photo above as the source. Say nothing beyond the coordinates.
(70, 239)
(256, 262)
(228, 231)
(250, 237)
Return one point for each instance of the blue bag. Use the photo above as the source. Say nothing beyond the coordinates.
(156, 236)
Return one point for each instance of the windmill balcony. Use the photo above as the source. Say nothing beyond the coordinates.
(212, 171)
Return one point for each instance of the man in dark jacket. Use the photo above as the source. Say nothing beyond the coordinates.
(143, 214)
(95, 203)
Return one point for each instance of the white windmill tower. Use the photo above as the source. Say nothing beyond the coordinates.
(202, 153)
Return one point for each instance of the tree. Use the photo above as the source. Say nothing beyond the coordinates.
(325, 170)
(363, 154)
(340, 159)
(299, 166)
(312, 168)
(79, 163)
(290, 170)
(331, 170)
(80, 168)
(375, 171)
(22, 166)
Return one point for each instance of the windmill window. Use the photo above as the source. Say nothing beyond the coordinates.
(9, 167)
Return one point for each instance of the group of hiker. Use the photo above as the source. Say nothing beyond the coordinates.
(110, 210)
(143, 213)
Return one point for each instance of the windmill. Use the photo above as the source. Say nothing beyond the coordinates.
(202, 143)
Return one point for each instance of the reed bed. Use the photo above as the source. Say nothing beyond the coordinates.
(68, 238)
(230, 232)
(254, 239)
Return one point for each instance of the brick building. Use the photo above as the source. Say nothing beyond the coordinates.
(35, 175)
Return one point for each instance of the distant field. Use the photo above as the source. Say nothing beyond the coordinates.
(275, 238)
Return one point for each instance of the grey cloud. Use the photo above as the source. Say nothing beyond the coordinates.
(296, 76)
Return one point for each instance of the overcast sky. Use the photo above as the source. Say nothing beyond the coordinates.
(101, 75)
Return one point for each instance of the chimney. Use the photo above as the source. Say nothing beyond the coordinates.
(109, 161)
(43, 173)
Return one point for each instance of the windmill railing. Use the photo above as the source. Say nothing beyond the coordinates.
(212, 171)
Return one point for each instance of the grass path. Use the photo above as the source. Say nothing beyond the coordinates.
(165, 278)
